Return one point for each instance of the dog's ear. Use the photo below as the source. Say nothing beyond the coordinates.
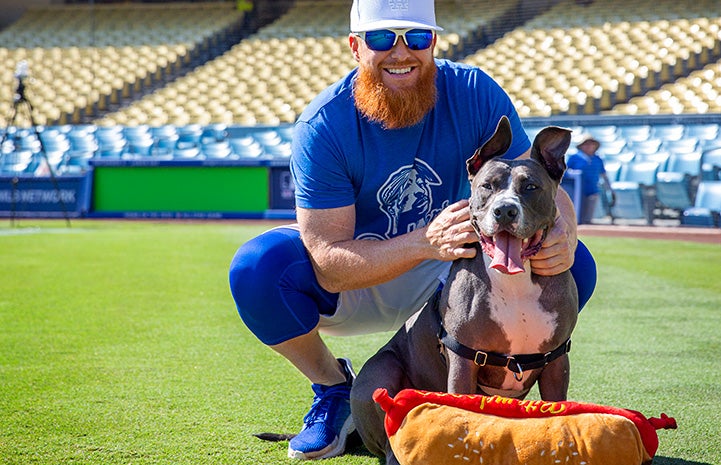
(496, 146)
(549, 149)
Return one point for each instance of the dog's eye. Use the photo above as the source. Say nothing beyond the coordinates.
(487, 186)
(531, 187)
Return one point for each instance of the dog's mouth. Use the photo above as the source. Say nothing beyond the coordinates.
(508, 252)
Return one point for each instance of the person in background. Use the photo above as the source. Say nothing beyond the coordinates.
(593, 172)
(379, 164)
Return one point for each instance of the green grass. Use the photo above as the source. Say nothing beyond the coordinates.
(120, 344)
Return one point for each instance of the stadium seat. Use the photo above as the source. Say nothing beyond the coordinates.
(604, 133)
(612, 147)
(216, 148)
(711, 165)
(644, 146)
(685, 163)
(622, 157)
(613, 168)
(660, 157)
(643, 173)
(16, 162)
(668, 132)
(706, 131)
(246, 147)
(630, 202)
(707, 206)
(672, 191)
(636, 133)
(682, 145)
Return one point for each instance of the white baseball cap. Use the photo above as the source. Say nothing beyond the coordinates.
(369, 15)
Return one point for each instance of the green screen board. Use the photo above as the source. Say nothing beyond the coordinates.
(180, 189)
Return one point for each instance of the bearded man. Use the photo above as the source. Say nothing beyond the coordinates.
(379, 165)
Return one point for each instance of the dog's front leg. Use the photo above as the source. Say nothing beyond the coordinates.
(462, 374)
(554, 379)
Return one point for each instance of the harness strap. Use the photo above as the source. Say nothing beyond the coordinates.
(516, 363)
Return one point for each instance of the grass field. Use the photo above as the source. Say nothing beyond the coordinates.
(120, 344)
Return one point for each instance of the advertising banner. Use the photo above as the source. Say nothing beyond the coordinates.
(34, 196)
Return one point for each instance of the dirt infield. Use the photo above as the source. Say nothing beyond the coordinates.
(671, 233)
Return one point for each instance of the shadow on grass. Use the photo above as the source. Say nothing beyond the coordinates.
(355, 447)
(672, 461)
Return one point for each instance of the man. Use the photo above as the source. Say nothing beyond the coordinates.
(593, 172)
(381, 187)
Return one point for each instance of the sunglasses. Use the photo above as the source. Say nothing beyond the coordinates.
(383, 40)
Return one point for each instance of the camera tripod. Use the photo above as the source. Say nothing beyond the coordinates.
(21, 100)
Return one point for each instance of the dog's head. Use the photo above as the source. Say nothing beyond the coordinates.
(513, 201)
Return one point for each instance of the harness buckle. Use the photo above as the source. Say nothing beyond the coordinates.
(545, 358)
(485, 358)
(518, 375)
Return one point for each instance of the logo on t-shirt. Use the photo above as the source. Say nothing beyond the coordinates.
(406, 199)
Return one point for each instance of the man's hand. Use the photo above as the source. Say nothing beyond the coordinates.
(558, 250)
(450, 231)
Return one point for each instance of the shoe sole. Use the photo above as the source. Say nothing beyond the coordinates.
(334, 449)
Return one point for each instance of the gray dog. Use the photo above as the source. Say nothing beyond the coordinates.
(495, 328)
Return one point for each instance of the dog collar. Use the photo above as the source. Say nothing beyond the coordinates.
(516, 363)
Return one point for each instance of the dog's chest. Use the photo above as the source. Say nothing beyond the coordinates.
(514, 304)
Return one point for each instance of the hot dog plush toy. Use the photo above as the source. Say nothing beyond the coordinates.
(438, 429)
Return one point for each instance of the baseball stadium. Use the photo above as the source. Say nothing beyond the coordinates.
(142, 143)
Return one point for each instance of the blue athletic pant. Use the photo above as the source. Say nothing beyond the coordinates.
(278, 297)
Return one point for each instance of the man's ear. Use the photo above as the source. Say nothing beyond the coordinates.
(354, 43)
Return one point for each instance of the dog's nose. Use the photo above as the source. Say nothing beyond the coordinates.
(505, 213)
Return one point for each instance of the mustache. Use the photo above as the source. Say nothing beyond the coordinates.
(394, 109)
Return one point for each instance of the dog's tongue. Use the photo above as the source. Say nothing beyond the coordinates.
(507, 254)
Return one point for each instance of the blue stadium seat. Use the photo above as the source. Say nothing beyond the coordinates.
(643, 172)
(669, 132)
(268, 137)
(164, 140)
(672, 191)
(708, 144)
(635, 132)
(16, 162)
(711, 165)
(661, 157)
(184, 152)
(685, 163)
(645, 146)
(188, 136)
(216, 148)
(55, 140)
(602, 133)
(706, 131)
(214, 133)
(683, 145)
(111, 141)
(707, 206)
(246, 147)
(613, 168)
(630, 202)
(612, 147)
(622, 157)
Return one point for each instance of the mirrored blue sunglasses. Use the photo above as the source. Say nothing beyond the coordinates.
(382, 40)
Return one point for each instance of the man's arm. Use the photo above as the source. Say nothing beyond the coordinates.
(343, 263)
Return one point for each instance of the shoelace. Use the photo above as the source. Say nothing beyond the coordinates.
(322, 403)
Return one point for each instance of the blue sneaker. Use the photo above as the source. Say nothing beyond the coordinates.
(328, 423)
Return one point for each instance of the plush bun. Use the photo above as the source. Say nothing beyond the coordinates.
(437, 429)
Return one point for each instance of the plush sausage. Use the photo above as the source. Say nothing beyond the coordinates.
(438, 429)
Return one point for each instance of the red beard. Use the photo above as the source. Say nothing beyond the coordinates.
(394, 109)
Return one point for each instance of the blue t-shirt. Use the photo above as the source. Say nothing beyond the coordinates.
(591, 169)
(398, 179)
